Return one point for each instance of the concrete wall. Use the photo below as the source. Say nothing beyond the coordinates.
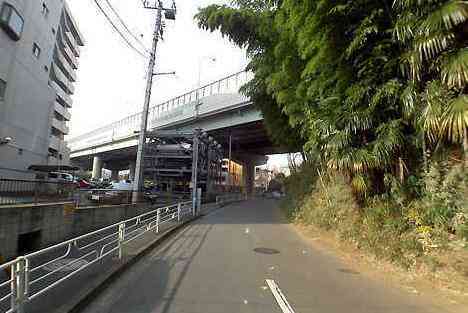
(57, 223)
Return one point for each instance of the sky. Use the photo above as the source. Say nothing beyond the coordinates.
(111, 76)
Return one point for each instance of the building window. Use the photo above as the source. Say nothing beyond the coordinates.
(36, 51)
(11, 21)
(45, 10)
(2, 89)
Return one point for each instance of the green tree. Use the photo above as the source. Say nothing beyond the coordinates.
(434, 35)
(249, 24)
(363, 84)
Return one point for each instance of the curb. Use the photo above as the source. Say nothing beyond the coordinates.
(93, 291)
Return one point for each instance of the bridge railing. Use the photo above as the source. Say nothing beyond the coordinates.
(183, 105)
(33, 275)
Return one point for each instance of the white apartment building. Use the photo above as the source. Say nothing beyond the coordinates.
(39, 55)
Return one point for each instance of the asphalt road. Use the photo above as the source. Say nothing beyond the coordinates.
(211, 266)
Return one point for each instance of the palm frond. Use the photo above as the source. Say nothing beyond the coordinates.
(454, 70)
(389, 138)
(410, 101)
(411, 65)
(431, 44)
(435, 97)
(405, 27)
(447, 16)
(412, 4)
(455, 119)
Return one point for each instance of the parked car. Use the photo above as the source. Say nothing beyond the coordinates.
(124, 185)
(83, 184)
(60, 177)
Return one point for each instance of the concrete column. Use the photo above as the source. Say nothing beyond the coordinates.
(132, 168)
(249, 172)
(115, 175)
(97, 168)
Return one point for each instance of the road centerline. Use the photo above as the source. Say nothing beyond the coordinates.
(279, 296)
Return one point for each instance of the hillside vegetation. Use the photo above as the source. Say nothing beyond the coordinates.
(374, 94)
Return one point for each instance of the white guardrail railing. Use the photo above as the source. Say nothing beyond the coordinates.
(180, 106)
(32, 275)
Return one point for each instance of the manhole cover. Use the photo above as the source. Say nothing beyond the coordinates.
(266, 251)
(65, 265)
(347, 271)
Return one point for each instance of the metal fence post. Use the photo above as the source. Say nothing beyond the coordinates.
(158, 218)
(121, 239)
(36, 195)
(18, 286)
(199, 201)
(178, 212)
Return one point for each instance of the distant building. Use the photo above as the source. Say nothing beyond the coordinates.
(263, 176)
(232, 174)
(39, 50)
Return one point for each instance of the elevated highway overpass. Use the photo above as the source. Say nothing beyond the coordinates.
(218, 108)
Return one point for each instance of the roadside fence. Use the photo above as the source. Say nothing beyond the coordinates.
(33, 275)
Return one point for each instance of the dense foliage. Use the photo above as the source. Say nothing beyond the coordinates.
(370, 88)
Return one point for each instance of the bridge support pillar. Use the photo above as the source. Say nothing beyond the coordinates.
(132, 168)
(249, 167)
(97, 168)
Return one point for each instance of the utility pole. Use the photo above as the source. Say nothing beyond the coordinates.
(139, 170)
(229, 178)
(196, 149)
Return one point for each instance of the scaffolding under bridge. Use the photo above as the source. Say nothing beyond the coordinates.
(174, 162)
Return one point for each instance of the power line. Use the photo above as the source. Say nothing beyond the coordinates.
(118, 30)
(125, 25)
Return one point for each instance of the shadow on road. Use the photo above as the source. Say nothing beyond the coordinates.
(153, 271)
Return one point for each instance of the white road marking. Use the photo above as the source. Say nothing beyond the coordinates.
(279, 296)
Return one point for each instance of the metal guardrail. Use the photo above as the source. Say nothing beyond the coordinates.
(125, 128)
(32, 275)
(16, 192)
(34, 191)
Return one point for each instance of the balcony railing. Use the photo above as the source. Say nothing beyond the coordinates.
(67, 51)
(60, 109)
(54, 143)
(61, 126)
(62, 79)
(61, 94)
(73, 44)
(65, 65)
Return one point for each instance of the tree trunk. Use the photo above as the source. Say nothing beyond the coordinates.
(401, 169)
(424, 148)
(465, 149)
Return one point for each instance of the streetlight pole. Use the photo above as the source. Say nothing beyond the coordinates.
(139, 170)
(197, 101)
